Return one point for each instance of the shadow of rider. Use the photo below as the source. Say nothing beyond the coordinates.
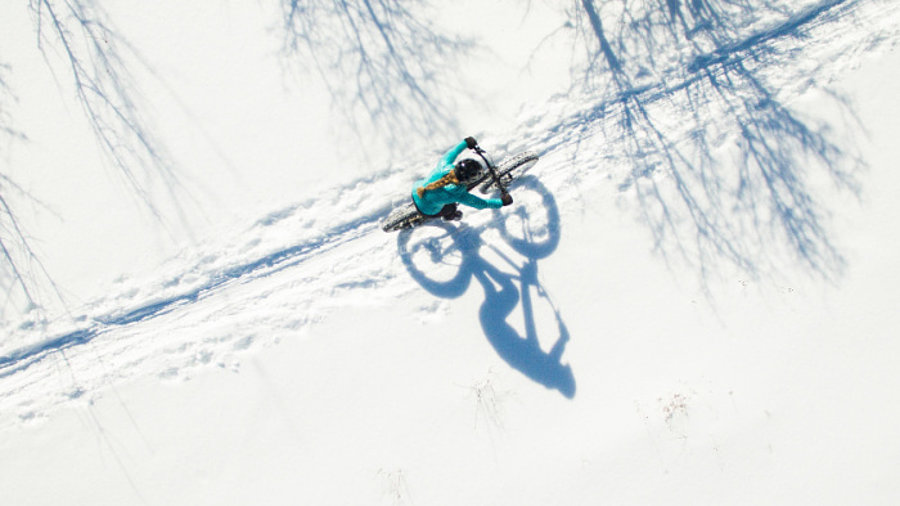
(501, 293)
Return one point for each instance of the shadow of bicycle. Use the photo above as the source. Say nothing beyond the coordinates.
(445, 258)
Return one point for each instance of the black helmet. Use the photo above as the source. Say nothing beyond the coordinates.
(468, 170)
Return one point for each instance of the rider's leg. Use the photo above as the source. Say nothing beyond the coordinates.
(451, 212)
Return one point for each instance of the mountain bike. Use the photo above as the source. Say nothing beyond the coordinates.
(497, 177)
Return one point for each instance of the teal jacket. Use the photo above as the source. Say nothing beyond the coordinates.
(434, 200)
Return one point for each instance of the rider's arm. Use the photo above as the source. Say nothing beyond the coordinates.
(450, 156)
(478, 202)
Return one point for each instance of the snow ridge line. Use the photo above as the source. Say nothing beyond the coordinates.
(22, 358)
(712, 61)
(788, 28)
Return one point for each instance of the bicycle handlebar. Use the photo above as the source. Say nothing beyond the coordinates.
(482, 153)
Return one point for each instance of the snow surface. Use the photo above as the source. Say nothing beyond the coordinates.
(692, 301)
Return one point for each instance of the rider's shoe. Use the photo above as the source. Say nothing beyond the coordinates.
(456, 215)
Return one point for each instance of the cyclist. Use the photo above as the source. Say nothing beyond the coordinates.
(439, 193)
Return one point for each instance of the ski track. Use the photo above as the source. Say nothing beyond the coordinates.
(298, 266)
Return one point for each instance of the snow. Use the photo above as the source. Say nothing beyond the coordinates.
(633, 330)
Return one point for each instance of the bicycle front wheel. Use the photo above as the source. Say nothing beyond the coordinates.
(511, 168)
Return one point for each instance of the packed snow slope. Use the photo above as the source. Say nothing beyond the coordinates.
(691, 301)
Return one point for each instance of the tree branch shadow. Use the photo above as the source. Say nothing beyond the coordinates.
(382, 64)
(76, 38)
(21, 270)
(687, 85)
(506, 288)
(97, 58)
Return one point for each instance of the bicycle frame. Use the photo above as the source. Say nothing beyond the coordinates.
(493, 170)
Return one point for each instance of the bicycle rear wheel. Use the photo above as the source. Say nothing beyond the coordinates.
(402, 217)
(511, 168)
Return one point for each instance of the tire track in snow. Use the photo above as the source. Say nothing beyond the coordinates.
(21, 358)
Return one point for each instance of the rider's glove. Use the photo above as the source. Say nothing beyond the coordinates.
(506, 199)
(471, 142)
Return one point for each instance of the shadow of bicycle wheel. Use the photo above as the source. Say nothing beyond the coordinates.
(444, 258)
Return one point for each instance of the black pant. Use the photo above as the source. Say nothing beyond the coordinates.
(446, 212)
